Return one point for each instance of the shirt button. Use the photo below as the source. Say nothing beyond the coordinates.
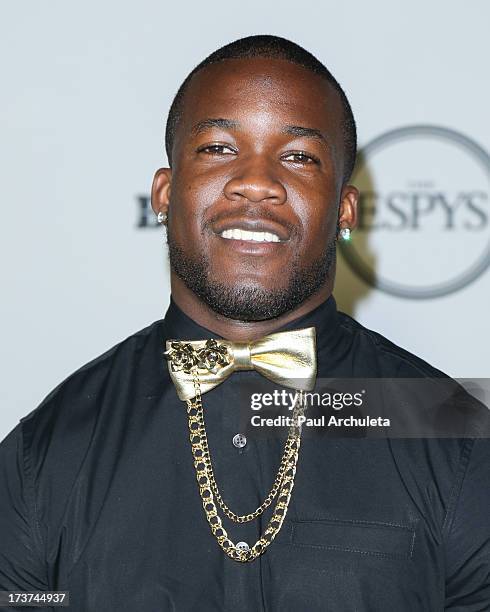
(239, 441)
(242, 546)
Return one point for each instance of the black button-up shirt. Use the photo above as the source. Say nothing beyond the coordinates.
(98, 495)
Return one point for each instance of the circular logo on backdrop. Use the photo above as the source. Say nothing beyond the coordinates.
(423, 220)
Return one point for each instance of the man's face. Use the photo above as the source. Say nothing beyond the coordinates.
(255, 187)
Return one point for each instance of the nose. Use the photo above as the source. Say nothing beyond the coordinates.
(256, 182)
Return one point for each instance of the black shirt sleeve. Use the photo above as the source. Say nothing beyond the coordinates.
(467, 535)
(21, 558)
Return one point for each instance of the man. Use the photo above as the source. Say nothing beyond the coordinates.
(98, 491)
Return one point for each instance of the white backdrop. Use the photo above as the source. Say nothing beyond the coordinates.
(85, 91)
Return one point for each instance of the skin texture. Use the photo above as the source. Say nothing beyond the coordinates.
(253, 167)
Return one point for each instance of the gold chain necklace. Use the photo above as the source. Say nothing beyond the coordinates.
(208, 489)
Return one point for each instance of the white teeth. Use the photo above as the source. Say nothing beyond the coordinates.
(238, 234)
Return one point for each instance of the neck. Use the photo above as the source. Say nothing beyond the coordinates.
(234, 329)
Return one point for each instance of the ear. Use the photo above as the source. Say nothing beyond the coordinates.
(160, 190)
(348, 207)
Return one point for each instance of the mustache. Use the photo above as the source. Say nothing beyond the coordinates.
(253, 213)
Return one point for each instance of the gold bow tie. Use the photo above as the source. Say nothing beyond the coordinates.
(287, 358)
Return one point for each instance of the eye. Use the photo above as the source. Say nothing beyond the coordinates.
(216, 149)
(300, 157)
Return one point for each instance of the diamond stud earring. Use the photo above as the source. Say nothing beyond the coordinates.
(162, 218)
(345, 233)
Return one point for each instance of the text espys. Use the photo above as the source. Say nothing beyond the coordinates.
(398, 210)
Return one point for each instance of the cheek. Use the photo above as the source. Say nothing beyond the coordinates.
(318, 219)
(192, 175)
(192, 195)
(318, 236)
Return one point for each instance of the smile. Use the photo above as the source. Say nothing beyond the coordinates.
(240, 234)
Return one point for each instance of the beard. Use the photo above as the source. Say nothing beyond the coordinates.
(252, 302)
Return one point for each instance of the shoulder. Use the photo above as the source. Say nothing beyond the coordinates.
(79, 393)
(453, 406)
(87, 407)
(390, 359)
(46, 450)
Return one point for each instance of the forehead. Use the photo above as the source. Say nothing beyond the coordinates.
(241, 89)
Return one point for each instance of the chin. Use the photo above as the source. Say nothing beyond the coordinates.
(245, 285)
(246, 301)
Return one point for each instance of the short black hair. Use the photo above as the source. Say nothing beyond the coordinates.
(273, 47)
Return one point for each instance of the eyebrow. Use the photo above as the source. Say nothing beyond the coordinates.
(219, 122)
(230, 124)
(306, 132)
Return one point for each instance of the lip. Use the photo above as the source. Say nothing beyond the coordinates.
(252, 225)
